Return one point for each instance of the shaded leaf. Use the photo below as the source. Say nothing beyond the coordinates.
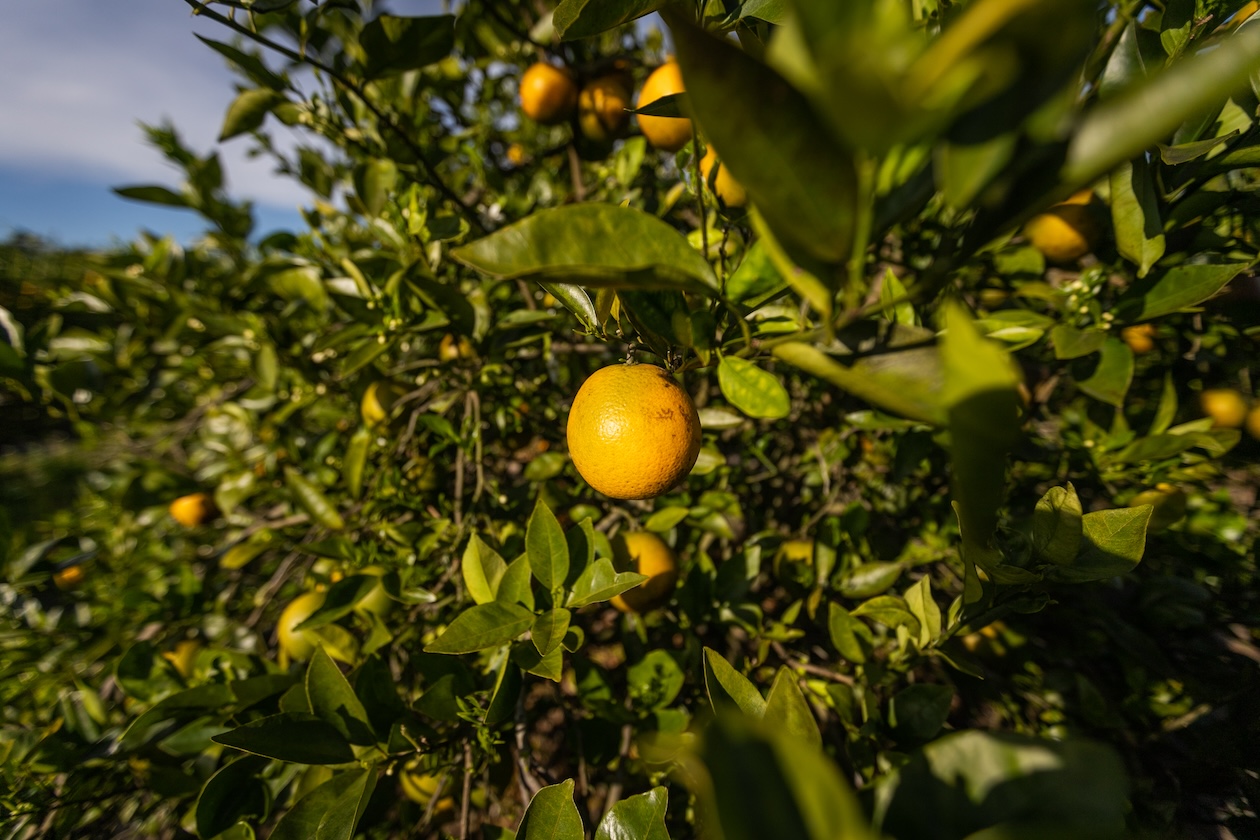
(483, 626)
(639, 817)
(394, 44)
(330, 811)
(552, 815)
(1179, 288)
(1057, 528)
(248, 111)
(297, 737)
(729, 688)
(788, 712)
(601, 582)
(332, 699)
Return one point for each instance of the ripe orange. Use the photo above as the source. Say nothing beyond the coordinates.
(299, 644)
(548, 94)
(633, 431)
(516, 154)
(184, 656)
(193, 510)
(647, 554)
(723, 184)
(69, 577)
(1067, 231)
(1139, 337)
(377, 401)
(1169, 505)
(602, 114)
(1226, 407)
(666, 133)
(451, 348)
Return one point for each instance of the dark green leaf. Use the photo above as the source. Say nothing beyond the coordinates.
(552, 815)
(788, 712)
(331, 811)
(549, 628)
(333, 700)
(395, 44)
(583, 18)
(756, 276)
(1135, 215)
(1111, 379)
(483, 626)
(918, 712)
(639, 817)
(546, 547)
(1057, 529)
(153, 195)
(248, 111)
(313, 500)
(729, 689)
(236, 792)
(297, 737)
(1073, 342)
(1176, 289)
(1114, 541)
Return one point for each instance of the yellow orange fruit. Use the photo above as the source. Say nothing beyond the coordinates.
(516, 154)
(548, 94)
(451, 348)
(184, 656)
(69, 577)
(1169, 505)
(601, 108)
(378, 399)
(299, 644)
(1226, 407)
(666, 133)
(377, 602)
(647, 554)
(633, 431)
(1139, 337)
(723, 183)
(1067, 231)
(193, 510)
(797, 551)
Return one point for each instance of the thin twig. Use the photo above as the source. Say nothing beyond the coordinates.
(463, 811)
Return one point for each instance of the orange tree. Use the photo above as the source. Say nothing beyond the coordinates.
(958, 555)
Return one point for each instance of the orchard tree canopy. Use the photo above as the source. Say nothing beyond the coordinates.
(909, 489)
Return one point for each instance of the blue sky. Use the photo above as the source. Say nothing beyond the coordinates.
(79, 76)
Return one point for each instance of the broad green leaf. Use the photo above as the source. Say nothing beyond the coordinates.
(1186, 152)
(240, 831)
(297, 737)
(549, 628)
(966, 781)
(800, 271)
(395, 44)
(890, 610)
(331, 811)
(515, 587)
(1179, 288)
(248, 111)
(483, 626)
(546, 547)
(771, 11)
(845, 632)
(1113, 543)
(1167, 410)
(1125, 126)
(983, 410)
(667, 518)
(869, 579)
(787, 710)
(661, 317)
(751, 389)
(356, 460)
(1072, 342)
(313, 500)
(575, 19)
(333, 700)
(1111, 379)
(593, 245)
(655, 680)
(153, 195)
(601, 582)
(552, 815)
(482, 569)
(729, 688)
(575, 299)
(918, 712)
(803, 183)
(756, 277)
(1135, 215)
(549, 666)
(507, 690)
(639, 817)
(925, 609)
(893, 296)
(1057, 529)
(374, 180)
(235, 792)
(251, 64)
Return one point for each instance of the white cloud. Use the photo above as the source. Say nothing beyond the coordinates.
(81, 74)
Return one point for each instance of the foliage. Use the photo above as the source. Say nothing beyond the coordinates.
(985, 640)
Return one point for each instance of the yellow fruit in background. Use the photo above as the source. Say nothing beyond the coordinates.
(647, 554)
(1253, 422)
(548, 94)
(299, 644)
(378, 399)
(451, 348)
(602, 104)
(723, 184)
(69, 577)
(633, 431)
(420, 787)
(516, 154)
(193, 510)
(184, 656)
(1139, 337)
(1067, 231)
(1169, 505)
(1226, 407)
(797, 551)
(666, 133)
(377, 602)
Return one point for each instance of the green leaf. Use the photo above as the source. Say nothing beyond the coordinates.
(581, 539)
(890, 610)
(482, 569)
(576, 300)
(788, 712)
(356, 460)
(313, 500)
(483, 626)
(729, 688)
(893, 295)
(1111, 379)
(1175, 290)
(1124, 127)
(248, 111)
(235, 792)
(801, 181)
(546, 547)
(1057, 528)
(374, 180)
(870, 579)
(395, 44)
(1186, 152)
(153, 195)
(844, 631)
(552, 815)
(1114, 541)
(925, 610)
(549, 628)
(251, 64)
(333, 700)
(331, 811)
(751, 389)
(515, 585)
(1135, 215)
(638, 817)
(756, 276)
(967, 781)
(918, 712)
(666, 518)
(1072, 342)
(983, 408)
(340, 601)
(593, 245)
(575, 19)
(297, 737)
(550, 666)
(601, 582)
